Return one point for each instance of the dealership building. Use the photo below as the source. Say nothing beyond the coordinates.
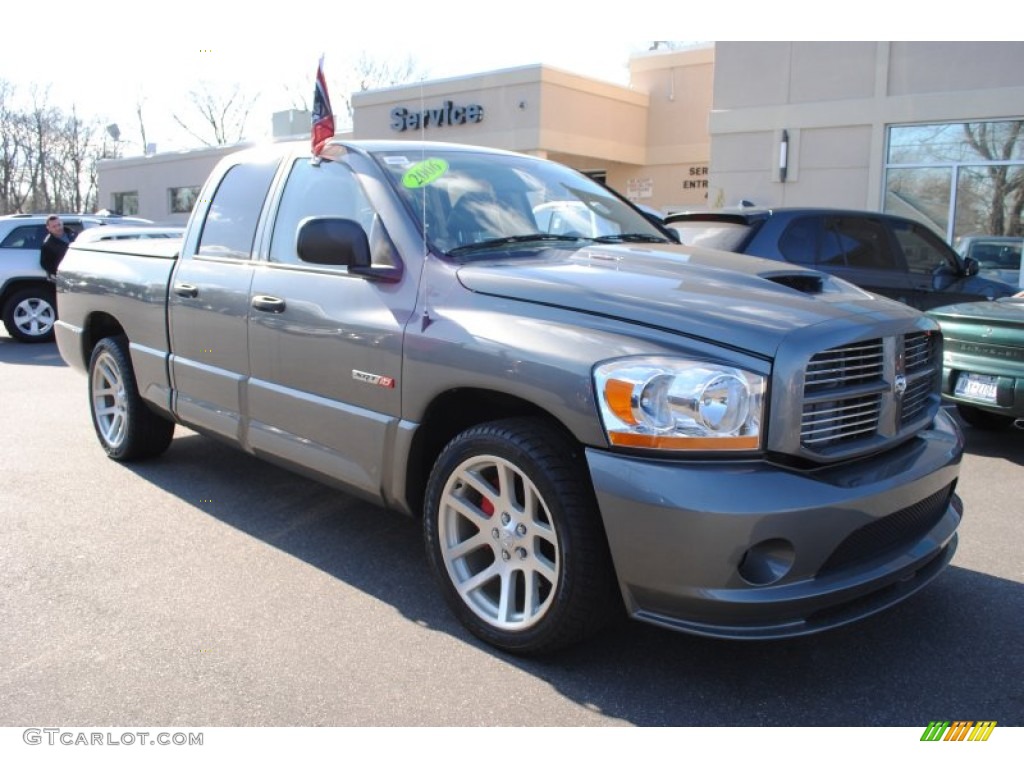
(932, 130)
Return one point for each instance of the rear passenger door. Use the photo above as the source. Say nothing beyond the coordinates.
(208, 306)
(19, 252)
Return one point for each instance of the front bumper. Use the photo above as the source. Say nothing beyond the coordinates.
(757, 550)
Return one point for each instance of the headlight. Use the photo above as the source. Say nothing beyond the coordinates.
(680, 405)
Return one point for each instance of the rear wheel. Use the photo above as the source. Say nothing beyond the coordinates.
(981, 419)
(30, 313)
(126, 427)
(514, 537)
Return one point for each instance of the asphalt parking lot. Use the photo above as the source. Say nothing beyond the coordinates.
(210, 589)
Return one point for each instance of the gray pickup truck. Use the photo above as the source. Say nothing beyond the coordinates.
(591, 420)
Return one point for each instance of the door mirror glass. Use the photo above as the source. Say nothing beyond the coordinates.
(333, 242)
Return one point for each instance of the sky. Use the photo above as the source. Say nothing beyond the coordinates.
(105, 59)
(114, 57)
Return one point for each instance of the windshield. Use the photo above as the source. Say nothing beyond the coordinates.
(470, 202)
(995, 253)
(720, 235)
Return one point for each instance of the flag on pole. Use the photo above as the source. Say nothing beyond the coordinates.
(323, 117)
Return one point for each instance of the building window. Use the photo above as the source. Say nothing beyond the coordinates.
(125, 203)
(961, 178)
(183, 199)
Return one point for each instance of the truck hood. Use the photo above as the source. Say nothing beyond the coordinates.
(744, 302)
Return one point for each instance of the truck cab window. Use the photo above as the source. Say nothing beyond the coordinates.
(230, 225)
(327, 189)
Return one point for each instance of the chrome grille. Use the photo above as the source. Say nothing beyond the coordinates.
(832, 413)
(918, 351)
(845, 366)
(835, 420)
(919, 362)
(917, 399)
(867, 392)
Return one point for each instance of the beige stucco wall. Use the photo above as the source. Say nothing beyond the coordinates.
(918, 68)
(674, 172)
(153, 177)
(533, 109)
(836, 100)
(650, 139)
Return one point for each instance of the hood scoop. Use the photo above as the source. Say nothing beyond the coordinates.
(799, 281)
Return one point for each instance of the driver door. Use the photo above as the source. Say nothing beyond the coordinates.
(325, 345)
(932, 266)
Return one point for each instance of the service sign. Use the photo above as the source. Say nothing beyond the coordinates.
(697, 178)
(404, 119)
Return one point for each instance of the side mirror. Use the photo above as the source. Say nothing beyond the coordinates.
(971, 266)
(333, 242)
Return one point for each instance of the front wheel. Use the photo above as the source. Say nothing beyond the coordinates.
(125, 425)
(30, 313)
(515, 539)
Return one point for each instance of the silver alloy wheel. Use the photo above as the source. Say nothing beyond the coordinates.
(110, 407)
(498, 543)
(34, 316)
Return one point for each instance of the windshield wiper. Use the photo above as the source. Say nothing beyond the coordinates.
(498, 242)
(631, 237)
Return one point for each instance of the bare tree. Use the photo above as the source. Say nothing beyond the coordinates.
(47, 155)
(77, 147)
(366, 74)
(13, 190)
(997, 142)
(42, 125)
(220, 116)
(373, 73)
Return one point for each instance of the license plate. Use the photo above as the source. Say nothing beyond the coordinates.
(976, 387)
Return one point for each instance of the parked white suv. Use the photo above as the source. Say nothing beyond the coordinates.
(27, 303)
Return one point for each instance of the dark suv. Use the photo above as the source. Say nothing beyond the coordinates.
(888, 255)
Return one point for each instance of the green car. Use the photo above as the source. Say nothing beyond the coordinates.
(983, 360)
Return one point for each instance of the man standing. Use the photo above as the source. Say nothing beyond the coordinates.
(54, 246)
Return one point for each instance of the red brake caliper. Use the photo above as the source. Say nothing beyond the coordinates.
(485, 504)
(487, 507)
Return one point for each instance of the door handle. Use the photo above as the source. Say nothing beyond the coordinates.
(268, 304)
(186, 290)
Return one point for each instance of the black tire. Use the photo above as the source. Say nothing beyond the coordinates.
(483, 541)
(981, 419)
(29, 314)
(127, 429)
